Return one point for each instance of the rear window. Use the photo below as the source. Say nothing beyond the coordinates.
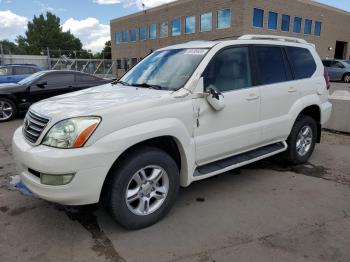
(271, 66)
(302, 62)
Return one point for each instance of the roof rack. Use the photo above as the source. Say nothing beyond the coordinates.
(273, 37)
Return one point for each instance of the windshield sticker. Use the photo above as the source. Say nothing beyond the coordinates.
(196, 52)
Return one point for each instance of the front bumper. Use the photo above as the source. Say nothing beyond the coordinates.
(89, 164)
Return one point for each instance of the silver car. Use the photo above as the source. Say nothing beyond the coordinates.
(338, 70)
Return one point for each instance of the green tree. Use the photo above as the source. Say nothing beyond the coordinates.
(11, 48)
(46, 32)
(106, 52)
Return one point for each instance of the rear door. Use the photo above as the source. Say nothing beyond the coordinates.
(278, 92)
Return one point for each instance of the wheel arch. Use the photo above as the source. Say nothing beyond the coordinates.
(314, 112)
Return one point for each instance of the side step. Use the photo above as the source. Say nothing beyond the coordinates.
(241, 159)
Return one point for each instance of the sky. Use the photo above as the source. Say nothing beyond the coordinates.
(86, 19)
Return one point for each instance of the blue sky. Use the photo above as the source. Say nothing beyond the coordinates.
(87, 19)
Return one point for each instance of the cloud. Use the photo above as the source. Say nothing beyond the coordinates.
(90, 31)
(138, 3)
(11, 25)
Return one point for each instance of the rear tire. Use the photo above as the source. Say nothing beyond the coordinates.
(8, 110)
(301, 141)
(143, 188)
(346, 78)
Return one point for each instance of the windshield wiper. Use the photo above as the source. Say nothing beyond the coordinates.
(120, 82)
(145, 85)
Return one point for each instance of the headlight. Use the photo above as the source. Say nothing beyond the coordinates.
(71, 133)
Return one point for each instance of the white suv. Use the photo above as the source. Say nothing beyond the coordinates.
(184, 113)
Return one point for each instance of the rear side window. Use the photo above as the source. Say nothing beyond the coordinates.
(302, 62)
(270, 65)
(22, 70)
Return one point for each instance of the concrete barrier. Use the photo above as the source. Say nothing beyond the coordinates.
(340, 117)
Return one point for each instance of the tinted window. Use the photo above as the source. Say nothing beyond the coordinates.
(17, 70)
(270, 64)
(118, 37)
(308, 25)
(85, 78)
(153, 31)
(176, 27)
(55, 79)
(318, 28)
(143, 33)
(297, 24)
(224, 19)
(273, 20)
(133, 35)
(258, 17)
(229, 70)
(190, 25)
(206, 22)
(285, 23)
(164, 28)
(302, 62)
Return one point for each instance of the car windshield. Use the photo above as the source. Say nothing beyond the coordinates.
(165, 70)
(31, 78)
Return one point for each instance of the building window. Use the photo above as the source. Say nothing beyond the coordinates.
(176, 27)
(285, 23)
(133, 35)
(258, 18)
(125, 36)
(143, 33)
(118, 38)
(318, 28)
(153, 31)
(297, 24)
(273, 16)
(308, 26)
(224, 19)
(164, 29)
(190, 25)
(206, 22)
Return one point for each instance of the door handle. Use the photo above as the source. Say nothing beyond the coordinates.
(252, 97)
(292, 90)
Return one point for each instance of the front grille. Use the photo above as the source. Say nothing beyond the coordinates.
(33, 126)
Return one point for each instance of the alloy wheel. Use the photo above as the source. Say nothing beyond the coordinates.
(6, 110)
(304, 140)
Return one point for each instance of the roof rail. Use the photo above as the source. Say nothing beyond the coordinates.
(273, 37)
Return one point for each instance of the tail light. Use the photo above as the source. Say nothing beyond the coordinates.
(326, 78)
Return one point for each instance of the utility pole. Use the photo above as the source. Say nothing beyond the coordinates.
(48, 58)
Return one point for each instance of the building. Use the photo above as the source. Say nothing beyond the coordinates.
(135, 36)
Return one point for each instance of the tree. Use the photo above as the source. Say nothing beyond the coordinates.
(11, 48)
(46, 32)
(106, 52)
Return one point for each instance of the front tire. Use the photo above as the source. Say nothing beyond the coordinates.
(346, 78)
(143, 188)
(302, 140)
(8, 110)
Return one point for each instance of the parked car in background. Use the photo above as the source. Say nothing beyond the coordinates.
(338, 70)
(17, 97)
(13, 73)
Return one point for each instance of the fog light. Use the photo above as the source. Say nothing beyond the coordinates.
(56, 180)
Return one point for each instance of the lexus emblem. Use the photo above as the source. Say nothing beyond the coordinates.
(26, 123)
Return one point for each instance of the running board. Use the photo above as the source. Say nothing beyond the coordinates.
(239, 160)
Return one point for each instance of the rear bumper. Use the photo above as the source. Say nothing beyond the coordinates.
(326, 110)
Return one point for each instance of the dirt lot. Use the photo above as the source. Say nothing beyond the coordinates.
(263, 212)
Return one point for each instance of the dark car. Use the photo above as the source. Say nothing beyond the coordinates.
(338, 70)
(17, 97)
(13, 73)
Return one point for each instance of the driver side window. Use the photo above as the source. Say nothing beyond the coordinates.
(229, 70)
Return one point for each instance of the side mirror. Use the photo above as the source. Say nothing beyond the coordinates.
(41, 84)
(215, 98)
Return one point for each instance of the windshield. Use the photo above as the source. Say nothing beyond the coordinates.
(31, 78)
(166, 70)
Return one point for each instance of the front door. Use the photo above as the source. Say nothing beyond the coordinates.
(235, 128)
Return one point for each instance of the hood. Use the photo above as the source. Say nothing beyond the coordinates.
(94, 101)
(9, 86)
